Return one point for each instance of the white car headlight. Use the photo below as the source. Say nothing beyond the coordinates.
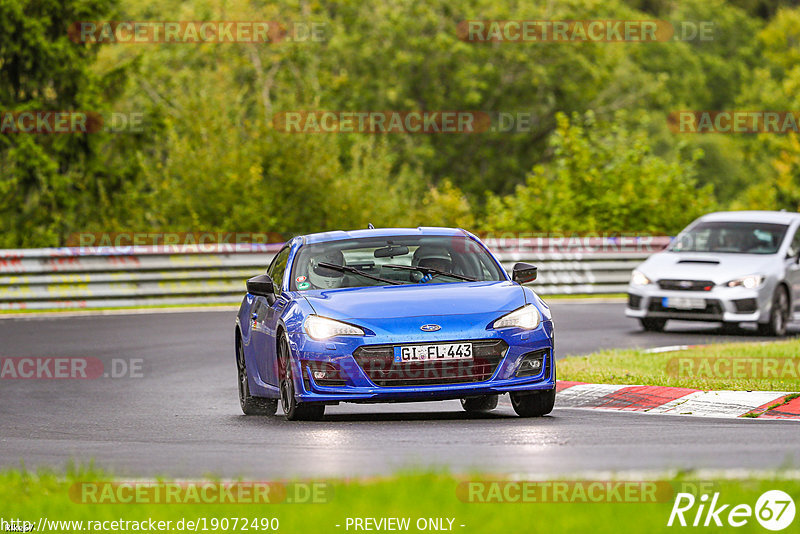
(322, 328)
(526, 317)
(750, 282)
(639, 279)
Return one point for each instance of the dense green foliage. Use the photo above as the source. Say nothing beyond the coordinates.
(598, 156)
(601, 179)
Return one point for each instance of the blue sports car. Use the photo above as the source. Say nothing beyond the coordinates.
(392, 315)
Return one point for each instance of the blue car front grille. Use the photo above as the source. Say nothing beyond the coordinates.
(377, 361)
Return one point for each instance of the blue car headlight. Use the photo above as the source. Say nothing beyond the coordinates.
(527, 317)
(320, 328)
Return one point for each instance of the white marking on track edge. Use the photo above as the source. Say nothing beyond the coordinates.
(584, 394)
(718, 403)
(669, 348)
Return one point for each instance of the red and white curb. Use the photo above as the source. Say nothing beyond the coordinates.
(679, 401)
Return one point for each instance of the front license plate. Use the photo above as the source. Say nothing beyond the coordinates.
(441, 352)
(683, 303)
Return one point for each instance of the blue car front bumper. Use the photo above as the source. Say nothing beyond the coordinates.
(360, 369)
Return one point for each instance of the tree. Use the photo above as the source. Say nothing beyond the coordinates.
(603, 178)
(52, 185)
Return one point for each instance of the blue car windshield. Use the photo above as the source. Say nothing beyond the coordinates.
(731, 237)
(392, 260)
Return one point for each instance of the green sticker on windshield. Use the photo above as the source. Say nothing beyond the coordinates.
(303, 285)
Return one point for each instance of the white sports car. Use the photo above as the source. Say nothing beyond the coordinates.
(731, 267)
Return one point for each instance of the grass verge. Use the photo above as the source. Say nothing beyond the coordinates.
(450, 501)
(772, 366)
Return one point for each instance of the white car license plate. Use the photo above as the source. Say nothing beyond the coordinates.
(440, 352)
(683, 303)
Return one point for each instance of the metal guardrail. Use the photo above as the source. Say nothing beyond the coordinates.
(93, 277)
(590, 265)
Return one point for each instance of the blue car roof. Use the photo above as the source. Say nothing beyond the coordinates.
(381, 232)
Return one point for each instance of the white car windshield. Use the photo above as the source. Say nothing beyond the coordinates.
(731, 237)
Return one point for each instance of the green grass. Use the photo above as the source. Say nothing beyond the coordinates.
(784, 400)
(32, 496)
(632, 366)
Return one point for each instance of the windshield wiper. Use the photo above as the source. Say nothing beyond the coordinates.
(431, 270)
(347, 269)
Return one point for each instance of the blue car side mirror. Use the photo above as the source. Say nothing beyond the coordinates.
(261, 286)
(524, 272)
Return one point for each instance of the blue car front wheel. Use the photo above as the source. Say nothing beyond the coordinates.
(293, 410)
(534, 403)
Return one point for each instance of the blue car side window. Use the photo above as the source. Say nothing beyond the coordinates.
(277, 268)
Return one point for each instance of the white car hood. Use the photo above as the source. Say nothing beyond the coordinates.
(719, 268)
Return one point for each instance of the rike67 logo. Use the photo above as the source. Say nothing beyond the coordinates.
(774, 510)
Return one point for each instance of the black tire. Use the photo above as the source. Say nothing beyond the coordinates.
(533, 404)
(251, 405)
(779, 315)
(482, 404)
(653, 324)
(293, 410)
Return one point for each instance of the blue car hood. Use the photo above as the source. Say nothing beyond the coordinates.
(418, 300)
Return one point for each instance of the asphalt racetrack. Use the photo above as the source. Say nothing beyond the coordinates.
(181, 417)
